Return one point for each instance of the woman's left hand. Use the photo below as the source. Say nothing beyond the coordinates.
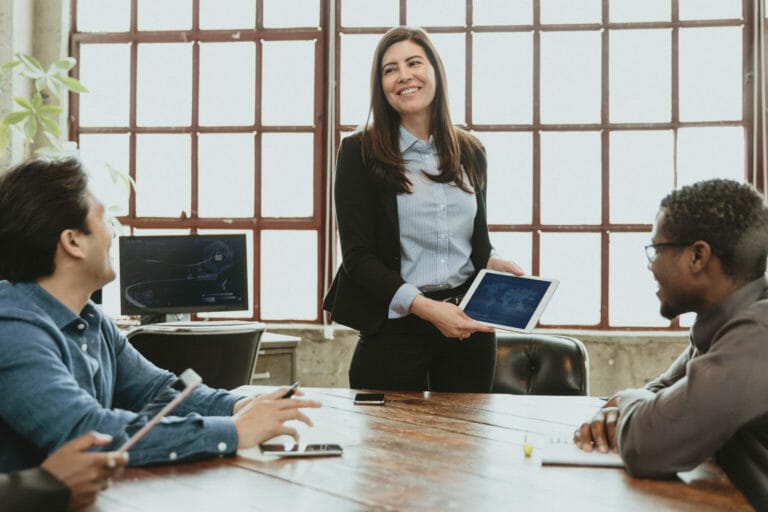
(501, 265)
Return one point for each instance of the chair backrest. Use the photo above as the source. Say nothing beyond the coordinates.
(537, 364)
(223, 354)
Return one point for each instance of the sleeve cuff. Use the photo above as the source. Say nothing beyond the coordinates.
(625, 399)
(402, 300)
(220, 436)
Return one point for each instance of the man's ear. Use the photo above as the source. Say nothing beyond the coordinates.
(701, 253)
(70, 243)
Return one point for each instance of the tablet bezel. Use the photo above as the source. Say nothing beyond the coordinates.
(541, 306)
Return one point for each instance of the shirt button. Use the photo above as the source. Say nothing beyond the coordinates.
(81, 327)
(222, 446)
(84, 346)
(173, 456)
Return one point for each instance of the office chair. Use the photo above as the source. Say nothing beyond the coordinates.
(537, 364)
(223, 353)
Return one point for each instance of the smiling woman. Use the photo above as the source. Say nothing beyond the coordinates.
(410, 203)
(408, 82)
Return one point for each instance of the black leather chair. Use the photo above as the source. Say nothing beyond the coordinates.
(538, 364)
(223, 353)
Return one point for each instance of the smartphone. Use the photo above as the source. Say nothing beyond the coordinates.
(369, 399)
(190, 379)
(301, 450)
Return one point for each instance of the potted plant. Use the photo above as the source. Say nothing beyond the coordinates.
(38, 116)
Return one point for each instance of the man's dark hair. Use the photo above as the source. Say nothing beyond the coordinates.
(39, 199)
(732, 217)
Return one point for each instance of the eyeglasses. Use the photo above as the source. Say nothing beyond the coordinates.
(652, 250)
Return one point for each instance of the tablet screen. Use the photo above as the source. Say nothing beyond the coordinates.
(508, 301)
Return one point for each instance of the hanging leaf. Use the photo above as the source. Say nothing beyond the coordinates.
(15, 117)
(23, 103)
(41, 83)
(62, 65)
(30, 128)
(120, 176)
(37, 101)
(10, 64)
(50, 109)
(4, 138)
(73, 84)
(50, 126)
(30, 62)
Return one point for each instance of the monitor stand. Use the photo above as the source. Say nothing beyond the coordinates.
(161, 318)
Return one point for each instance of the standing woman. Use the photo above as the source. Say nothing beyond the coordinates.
(410, 205)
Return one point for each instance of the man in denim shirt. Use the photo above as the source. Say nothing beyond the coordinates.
(65, 369)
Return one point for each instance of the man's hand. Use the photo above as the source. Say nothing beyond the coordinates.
(448, 318)
(272, 395)
(85, 473)
(601, 431)
(264, 417)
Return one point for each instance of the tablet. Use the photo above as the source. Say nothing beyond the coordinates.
(507, 301)
(190, 379)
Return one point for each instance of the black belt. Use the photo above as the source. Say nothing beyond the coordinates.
(453, 295)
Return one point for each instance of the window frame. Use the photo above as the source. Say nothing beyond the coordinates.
(328, 128)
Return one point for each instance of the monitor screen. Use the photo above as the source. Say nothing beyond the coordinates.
(183, 274)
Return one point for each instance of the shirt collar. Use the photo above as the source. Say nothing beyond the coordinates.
(59, 313)
(707, 324)
(408, 140)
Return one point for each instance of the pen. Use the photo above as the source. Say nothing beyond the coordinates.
(291, 390)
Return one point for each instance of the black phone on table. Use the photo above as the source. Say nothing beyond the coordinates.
(369, 399)
(301, 450)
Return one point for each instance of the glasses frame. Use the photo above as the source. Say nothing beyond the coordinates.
(653, 247)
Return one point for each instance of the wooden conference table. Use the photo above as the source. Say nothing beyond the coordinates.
(435, 451)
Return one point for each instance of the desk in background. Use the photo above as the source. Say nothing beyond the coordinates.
(437, 451)
(276, 362)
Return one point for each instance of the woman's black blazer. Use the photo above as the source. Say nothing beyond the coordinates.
(369, 275)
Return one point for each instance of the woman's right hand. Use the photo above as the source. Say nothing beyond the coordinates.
(449, 319)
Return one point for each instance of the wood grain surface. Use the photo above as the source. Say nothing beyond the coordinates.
(418, 452)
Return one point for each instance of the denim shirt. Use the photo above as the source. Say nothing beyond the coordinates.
(62, 375)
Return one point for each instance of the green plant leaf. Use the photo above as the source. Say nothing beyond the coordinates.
(41, 83)
(15, 117)
(30, 62)
(23, 103)
(10, 64)
(117, 175)
(50, 109)
(73, 84)
(4, 137)
(62, 65)
(37, 101)
(30, 128)
(49, 125)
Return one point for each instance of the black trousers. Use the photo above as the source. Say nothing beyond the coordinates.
(410, 354)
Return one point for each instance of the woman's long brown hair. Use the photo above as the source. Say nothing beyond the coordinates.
(381, 135)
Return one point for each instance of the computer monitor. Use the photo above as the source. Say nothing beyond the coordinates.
(183, 274)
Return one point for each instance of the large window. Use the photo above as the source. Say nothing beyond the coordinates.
(590, 112)
(215, 108)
